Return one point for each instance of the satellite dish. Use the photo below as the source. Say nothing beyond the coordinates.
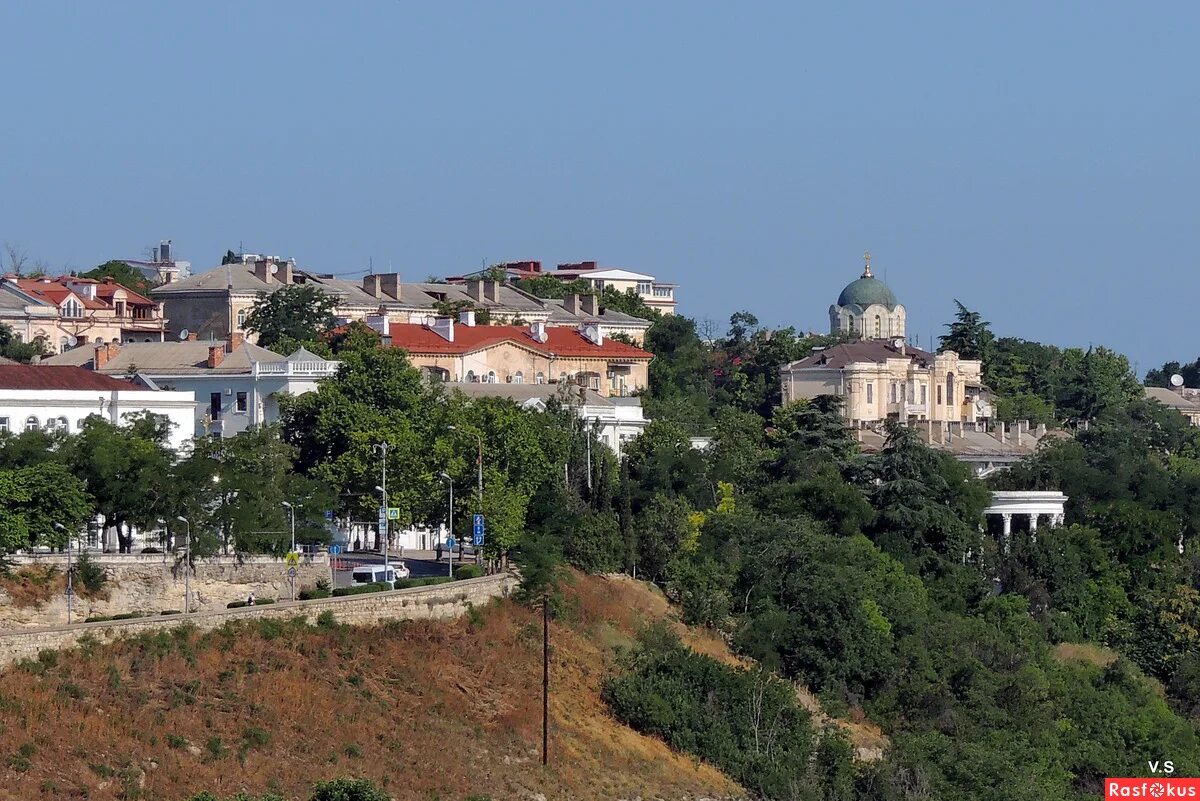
(184, 334)
(274, 269)
(72, 341)
(1177, 380)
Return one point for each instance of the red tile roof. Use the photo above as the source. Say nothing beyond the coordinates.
(559, 341)
(45, 376)
(56, 290)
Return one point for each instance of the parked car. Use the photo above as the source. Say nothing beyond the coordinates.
(369, 574)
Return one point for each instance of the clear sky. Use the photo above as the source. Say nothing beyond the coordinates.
(1038, 161)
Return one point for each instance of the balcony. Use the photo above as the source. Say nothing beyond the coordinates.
(301, 369)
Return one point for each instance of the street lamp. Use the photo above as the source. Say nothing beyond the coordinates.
(449, 524)
(70, 583)
(384, 536)
(187, 565)
(291, 509)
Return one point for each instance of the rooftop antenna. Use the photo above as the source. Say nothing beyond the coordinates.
(371, 264)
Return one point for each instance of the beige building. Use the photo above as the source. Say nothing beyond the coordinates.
(656, 294)
(68, 311)
(878, 380)
(462, 352)
(215, 303)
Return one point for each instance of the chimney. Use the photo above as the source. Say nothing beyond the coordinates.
(287, 271)
(371, 285)
(591, 332)
(103, 353)
(262, 270)
(571, 303)
(475, 289)
(216, 355)
(236, 340)
(443, 327)
(378, 322)
(590, 304)
(389, 284)
(491, 290)
(538, 332)
(467, 317)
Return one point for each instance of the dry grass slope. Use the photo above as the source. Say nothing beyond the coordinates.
(427, 710)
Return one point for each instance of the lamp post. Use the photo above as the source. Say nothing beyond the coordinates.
(384, 536)
(292, 510)
(70, 582)
(187, 565)
(449, 525)
(382, 448)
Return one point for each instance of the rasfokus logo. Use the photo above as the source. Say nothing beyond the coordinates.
(1152, 788)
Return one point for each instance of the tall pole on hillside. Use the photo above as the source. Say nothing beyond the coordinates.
(187, 565)
(70, 584)
(383, 521)
(545, 679)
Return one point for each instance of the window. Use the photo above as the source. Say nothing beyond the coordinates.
(3, 425)
(643, 287)
(878, 326)
(870, 392)
(924, 395)
(470, 376)
(662, 291)
(540, 378)
(241, 403)
(939, 395)
(63, 425)
(120, 306)
(949, 389)
(599, 284)
(241, 317)
(519, 378)
(895, 391)
(72, 308)
(31, 423)
(214, 405)
(562, 378)
(850, 323)
(491, 377)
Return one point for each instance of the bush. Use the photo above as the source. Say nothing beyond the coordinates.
(404, 584)
(257, 602)
(467, 572)
(89, 574)
(361, 589)
(152, 549)
(122, 616)
(348, 790)
(313, 593)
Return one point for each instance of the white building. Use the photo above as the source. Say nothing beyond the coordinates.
(60, 398)
(235, 384)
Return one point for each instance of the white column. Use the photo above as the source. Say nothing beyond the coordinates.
(1007, 518)
(1033, 521)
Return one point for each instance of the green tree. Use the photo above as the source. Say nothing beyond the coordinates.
(17, 351)
(970, 336)
(123, 274)
(36, 498)
(298, 312)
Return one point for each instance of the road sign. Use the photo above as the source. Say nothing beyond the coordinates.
(383, 521)
(477, 530)
(291, 572)
(334, 550)
(329, 517)
(292, 558)
(393, 513)
(450, 543)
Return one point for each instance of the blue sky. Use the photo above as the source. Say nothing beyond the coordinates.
(1037, 161)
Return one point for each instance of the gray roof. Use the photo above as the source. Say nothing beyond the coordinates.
(169, 358)
(1172, 399)
(12, 298)
(867, 350)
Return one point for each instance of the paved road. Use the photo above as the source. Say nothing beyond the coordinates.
(421, 564)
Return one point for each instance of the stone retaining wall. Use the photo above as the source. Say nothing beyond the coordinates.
(150, 583)
(440, 601)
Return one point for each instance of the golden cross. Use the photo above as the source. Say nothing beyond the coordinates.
(867, 265)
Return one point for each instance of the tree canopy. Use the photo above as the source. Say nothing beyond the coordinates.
(297, 313)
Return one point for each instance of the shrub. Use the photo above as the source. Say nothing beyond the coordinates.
(215, 748)
(312, 593)
(175, 741)
(360, 589)
(404, 584)
(122, 616)
(257, 602)
(326, 620)
(467, 572)
(89, 574)
(348, 790)
(151, 549)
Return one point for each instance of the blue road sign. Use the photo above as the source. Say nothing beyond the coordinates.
(477, 530)
(450, 543)
(329, 517)
(334, 550)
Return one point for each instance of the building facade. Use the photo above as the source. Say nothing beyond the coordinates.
(62, 398)
(234, 385)
(68, 311)
(656, 294)
(462, 352)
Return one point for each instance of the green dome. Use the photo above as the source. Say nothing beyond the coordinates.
(865, 292)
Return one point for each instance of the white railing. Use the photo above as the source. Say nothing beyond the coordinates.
(310, 369)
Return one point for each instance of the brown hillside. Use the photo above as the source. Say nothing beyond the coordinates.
(427, 710)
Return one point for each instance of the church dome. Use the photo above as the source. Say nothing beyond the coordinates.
(867, 291)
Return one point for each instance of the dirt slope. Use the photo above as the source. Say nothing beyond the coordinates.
(428, 710)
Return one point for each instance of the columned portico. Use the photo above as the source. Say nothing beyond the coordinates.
(1035, 504)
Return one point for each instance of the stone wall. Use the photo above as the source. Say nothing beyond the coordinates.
(440, 601)
(152, 583)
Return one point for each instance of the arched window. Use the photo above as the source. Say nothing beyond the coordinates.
(562, 378)
(31, 423)
(850, 323)
(939, 403)
(519, 378)
(491, 377)
(949, 389)
(72, 308)
(878, 327)
(470, 376)
(63, 425)
(241, 318)
(540, 378)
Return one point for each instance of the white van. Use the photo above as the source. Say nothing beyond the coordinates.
(369, 574)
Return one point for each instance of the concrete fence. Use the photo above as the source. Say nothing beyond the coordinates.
(439, 601)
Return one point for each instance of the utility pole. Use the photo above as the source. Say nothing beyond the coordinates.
(187, 566)
(70, 584)
(383, 522)
(545, 679)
